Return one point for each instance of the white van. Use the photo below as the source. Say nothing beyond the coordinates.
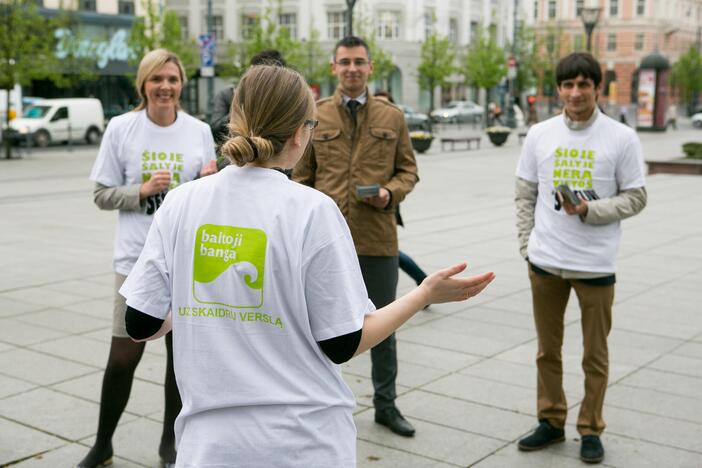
(58, 120)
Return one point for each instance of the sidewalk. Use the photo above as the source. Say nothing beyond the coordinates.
(467, 375)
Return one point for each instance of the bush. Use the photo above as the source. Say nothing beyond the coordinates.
(692, 150)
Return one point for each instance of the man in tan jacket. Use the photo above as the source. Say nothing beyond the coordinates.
(363, 142)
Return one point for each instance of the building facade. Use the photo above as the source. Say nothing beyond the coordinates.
(626, 32)
(400, 27)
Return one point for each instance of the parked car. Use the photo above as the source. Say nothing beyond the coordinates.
(697, 120)
(416, 120)
(458, 111)
(58, 120)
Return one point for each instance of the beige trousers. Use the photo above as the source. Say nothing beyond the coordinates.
(550, 296)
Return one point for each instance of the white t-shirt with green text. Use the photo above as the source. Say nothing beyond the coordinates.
(256, 269)
(597, 162)
(132, 148)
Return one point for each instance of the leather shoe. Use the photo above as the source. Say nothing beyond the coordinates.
(591, 449)
(544, 435)
(391, 418)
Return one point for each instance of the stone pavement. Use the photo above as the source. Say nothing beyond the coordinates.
(467, 375)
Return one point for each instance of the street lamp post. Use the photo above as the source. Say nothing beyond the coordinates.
(590, 17)
(349, 17)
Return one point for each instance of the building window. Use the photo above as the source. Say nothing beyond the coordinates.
(184, 33)
(453, 30)
(639, 41)
(550, 43)
(613, 8)
(125, 7)
(336, 25)
(551, 8)
(388, 25)
(579, 8)
(473, 31)
(536, 10)
(640, 7)
(428, 24)
(217, 27)
(248, 25)
(87, 5)
(289, 22)
(578, 42)
(611, 42)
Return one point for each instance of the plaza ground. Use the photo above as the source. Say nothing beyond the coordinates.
(466, 374)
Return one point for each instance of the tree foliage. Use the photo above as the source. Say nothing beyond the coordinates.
(437, 64)
(75, 51)
(485, 64)
(26, 48)
(686, 75)
(383, 64)
(26, 44)
(155, 30)
(306, 56)
(527, 59)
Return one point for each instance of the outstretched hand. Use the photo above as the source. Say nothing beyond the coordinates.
(442, 286)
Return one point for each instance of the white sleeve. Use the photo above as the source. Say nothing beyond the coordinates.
(527, 165)
(336, 295)
(147, 288)
(108, 169)
(630, 165)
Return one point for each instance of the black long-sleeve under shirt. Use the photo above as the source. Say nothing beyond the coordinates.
(338, 349)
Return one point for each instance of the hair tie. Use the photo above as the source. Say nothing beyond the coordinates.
(253, 147)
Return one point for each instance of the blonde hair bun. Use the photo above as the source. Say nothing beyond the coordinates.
(242, 150)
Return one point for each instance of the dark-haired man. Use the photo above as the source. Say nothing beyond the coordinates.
(223, 99)
(364, 141)
(571, 243)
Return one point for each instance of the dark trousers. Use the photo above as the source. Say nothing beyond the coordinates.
(410, 267)
(380, 275)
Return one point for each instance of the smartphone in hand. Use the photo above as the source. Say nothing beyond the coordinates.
(367, 191)
(568, 194)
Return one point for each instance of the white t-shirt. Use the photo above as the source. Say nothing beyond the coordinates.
(256, 269)
(597, 162)
(132, 148)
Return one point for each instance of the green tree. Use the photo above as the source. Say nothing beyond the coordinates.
(686, 76)
(383, 64)
(484, 64)
(161, 30)
(26, 48)
(437, 64)
(75, 51)
(550, 47)
(527, 63)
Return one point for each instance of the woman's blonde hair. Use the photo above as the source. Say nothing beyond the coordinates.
(270, 103)
(150, 64)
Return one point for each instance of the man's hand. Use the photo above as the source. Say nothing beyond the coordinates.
(580, 210)
(209, 169)
(159, 182)
(381, 200)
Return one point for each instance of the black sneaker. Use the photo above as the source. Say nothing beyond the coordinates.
(391, 418)
(543, 436)
(591, 449)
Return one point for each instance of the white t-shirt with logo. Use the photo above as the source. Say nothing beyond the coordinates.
(132, 148)
(256, 269)
(597, 162)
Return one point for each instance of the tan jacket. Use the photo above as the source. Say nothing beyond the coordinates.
(379, 151)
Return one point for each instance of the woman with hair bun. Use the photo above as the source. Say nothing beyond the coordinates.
(266, 295)
(143, 155)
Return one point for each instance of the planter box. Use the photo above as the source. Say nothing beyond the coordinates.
(675, 166)
(497, 138)
(421, 145)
